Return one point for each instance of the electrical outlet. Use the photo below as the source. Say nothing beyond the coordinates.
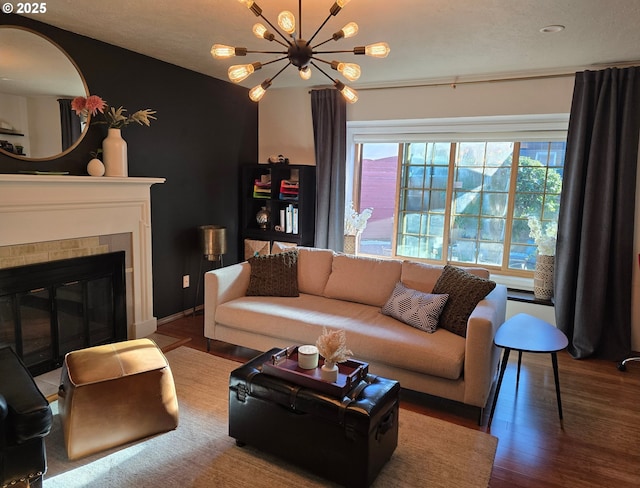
(185, 281)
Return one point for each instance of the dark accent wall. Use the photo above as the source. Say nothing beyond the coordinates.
(206, 129)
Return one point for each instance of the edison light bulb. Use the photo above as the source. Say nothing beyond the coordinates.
(349, 30)
(222, 52)
(349, 94)
(257, 92)
(305, 73)
(259, 30)
(240, 72)
(341, 3)
(377, 50)
(287, 21)
(247, 3)
(350, 71)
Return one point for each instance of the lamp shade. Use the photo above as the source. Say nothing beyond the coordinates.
(213, 239)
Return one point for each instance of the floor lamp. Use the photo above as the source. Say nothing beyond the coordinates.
(213, 243)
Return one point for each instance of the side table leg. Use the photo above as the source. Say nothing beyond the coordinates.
(503, 366)
(519, 363)
(554, 360)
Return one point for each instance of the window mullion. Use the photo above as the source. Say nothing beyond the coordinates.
(511, 205)
(449, 202)
(396, 213)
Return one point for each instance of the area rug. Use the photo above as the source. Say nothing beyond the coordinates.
(199, 453)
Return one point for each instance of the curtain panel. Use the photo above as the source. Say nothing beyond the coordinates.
(329, 112)
(69, 124)
(594, 255)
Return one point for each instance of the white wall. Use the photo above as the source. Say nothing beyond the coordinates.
(44, 126)
(285, 126)
(14, 114)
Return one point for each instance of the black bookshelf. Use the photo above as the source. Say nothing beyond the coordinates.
(292, 186)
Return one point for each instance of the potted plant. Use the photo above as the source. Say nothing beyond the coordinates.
(354, 225)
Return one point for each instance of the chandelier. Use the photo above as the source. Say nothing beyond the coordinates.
(299, 52)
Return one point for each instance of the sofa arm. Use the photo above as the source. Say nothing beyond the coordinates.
(220, 286)
(481, 355)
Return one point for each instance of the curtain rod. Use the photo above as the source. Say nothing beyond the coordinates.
(455, 83)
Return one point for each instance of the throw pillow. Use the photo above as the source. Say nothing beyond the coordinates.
(465, 290)
(274, 275)
(415, 308)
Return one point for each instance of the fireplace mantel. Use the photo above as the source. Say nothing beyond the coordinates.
(44, 207)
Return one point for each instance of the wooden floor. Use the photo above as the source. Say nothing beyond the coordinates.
(598, 446)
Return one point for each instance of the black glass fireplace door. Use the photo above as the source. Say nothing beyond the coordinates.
(50, 309)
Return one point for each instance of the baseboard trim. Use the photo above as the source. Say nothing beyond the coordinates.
(179, 315)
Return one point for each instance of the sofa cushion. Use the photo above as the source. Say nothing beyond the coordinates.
(372, 336)
(465, 290)
(314, 268)
(415, 308)
(362, 279)
(420, 276)
(274, 275)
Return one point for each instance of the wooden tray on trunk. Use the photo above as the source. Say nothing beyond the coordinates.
(284, 364)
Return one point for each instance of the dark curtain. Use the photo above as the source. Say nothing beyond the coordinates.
(329, 113)
(69, 123)
(594, 255)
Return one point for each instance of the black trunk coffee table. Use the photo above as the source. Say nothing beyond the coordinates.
(344, 439)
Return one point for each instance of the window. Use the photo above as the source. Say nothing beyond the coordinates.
(460, 198)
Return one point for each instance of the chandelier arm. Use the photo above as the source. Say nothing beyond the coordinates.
(278, 73)
(267, 52)
(321, 70)
(333, 52)
(321, 60)
(319, 29)
(322, 43)
(276, 30)
(274, 61)
(282, 43)
(300, 18)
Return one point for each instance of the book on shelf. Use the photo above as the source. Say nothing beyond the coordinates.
(289, 190)
(261, 188)
(291, 219)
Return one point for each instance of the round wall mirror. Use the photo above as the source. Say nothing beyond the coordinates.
(38, 80)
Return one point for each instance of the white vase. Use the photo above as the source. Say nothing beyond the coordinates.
(329, 372)
(114, 151)
(543, 277)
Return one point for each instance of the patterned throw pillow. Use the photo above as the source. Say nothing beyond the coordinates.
(465, 291)
(274, 275)
(415, 308)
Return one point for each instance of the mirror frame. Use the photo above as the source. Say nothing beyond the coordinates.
(86, 94)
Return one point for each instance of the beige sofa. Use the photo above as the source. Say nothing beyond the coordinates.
(347, 292)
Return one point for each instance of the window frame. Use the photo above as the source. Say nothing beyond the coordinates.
(517, 128)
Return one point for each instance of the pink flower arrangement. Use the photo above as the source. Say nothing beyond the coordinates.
(90, 105)
(114, 117)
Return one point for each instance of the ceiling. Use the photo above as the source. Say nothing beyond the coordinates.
(431, 41)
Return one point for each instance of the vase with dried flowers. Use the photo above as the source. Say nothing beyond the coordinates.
(332, 346)
(114, 147)
(354, 224)
(545, 239)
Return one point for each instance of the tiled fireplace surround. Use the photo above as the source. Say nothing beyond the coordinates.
(48, 217)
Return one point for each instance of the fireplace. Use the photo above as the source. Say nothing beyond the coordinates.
(49, 309)
(44, 208)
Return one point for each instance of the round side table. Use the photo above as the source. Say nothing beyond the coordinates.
(526, 333)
